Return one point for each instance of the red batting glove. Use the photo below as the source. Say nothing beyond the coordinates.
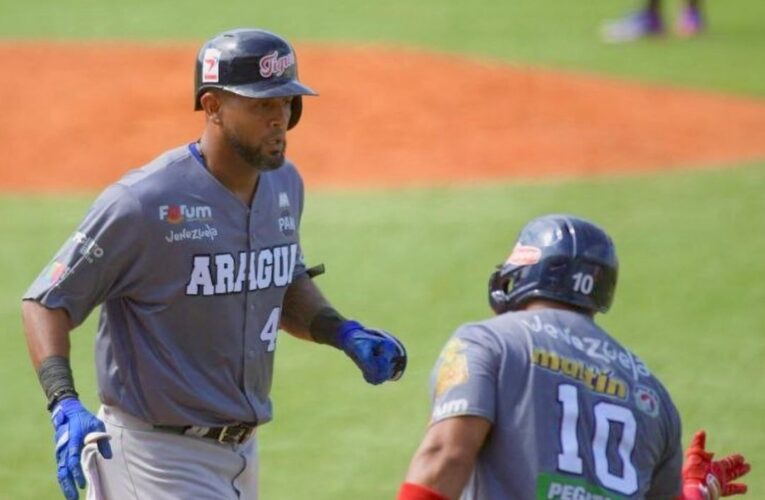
(704, 479)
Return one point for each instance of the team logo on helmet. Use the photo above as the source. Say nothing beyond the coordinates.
(211, 65)
(647, 400)
(524, 255)
(273, 65)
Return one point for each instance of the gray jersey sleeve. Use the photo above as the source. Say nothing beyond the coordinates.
(666, 480)
(464, 379)
(95, 263)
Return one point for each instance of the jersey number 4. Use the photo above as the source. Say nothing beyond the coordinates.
(270, 329)
(605, 414)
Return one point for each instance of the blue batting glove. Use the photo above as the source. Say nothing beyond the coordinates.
(73, 423)
(379, 355)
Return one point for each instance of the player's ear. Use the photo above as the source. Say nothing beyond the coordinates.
(211, 104)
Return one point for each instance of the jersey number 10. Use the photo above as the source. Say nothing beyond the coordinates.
(604, 413)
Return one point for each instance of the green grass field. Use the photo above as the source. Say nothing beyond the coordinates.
(416, 261)
(689, 302)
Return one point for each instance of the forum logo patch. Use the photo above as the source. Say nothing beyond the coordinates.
(175, 214)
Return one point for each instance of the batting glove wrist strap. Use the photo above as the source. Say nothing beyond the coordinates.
(379, 355)
(412, 491)
(73, 423)
(346, 331)
(56, 379)
(325, 327)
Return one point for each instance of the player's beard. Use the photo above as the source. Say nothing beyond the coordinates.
(254, 155)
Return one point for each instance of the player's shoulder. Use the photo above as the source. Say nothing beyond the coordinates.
(509, 326)
(643, 394)
(127, 195)
(490, 333)
(164, 167)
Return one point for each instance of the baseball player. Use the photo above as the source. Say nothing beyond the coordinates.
(540, 402)
(196, 261)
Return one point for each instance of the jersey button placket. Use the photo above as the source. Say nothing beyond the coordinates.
(250, 319)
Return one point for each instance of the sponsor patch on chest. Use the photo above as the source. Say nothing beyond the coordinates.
(287, 224)
(176, 214)
(206, 232)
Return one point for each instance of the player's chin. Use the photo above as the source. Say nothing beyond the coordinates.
(272, 161)
(274, 158)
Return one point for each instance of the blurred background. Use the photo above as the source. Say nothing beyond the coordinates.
(414, 257)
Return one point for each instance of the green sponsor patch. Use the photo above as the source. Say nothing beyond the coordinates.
(554, 486)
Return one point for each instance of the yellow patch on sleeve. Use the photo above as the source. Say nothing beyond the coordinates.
(453, 369)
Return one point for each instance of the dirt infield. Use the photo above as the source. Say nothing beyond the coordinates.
(77, 116)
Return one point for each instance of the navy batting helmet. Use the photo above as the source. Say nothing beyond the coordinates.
(251, 63)
(561, 258)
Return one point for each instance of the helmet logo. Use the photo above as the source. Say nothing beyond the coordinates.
(524, 255)
(273, 65)
(210, 65)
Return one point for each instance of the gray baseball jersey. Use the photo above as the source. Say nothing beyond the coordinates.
(575, 415)
(192, 283)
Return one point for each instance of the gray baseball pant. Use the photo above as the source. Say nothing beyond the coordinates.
(157, 465)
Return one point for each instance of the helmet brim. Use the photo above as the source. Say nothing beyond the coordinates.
(266, 90)
(258, 90)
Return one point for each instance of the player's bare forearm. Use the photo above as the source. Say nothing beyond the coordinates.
(46, 330)
(307, 314)
(447, 455)
(47, 333)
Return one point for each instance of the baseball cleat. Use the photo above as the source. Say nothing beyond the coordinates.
(690, 23)
(637, 25)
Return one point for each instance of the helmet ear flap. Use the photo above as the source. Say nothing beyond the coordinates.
(198, 99)
(297, 110)
(499, 286)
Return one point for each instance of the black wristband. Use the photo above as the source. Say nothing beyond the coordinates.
(325, 325)
(56, 379)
